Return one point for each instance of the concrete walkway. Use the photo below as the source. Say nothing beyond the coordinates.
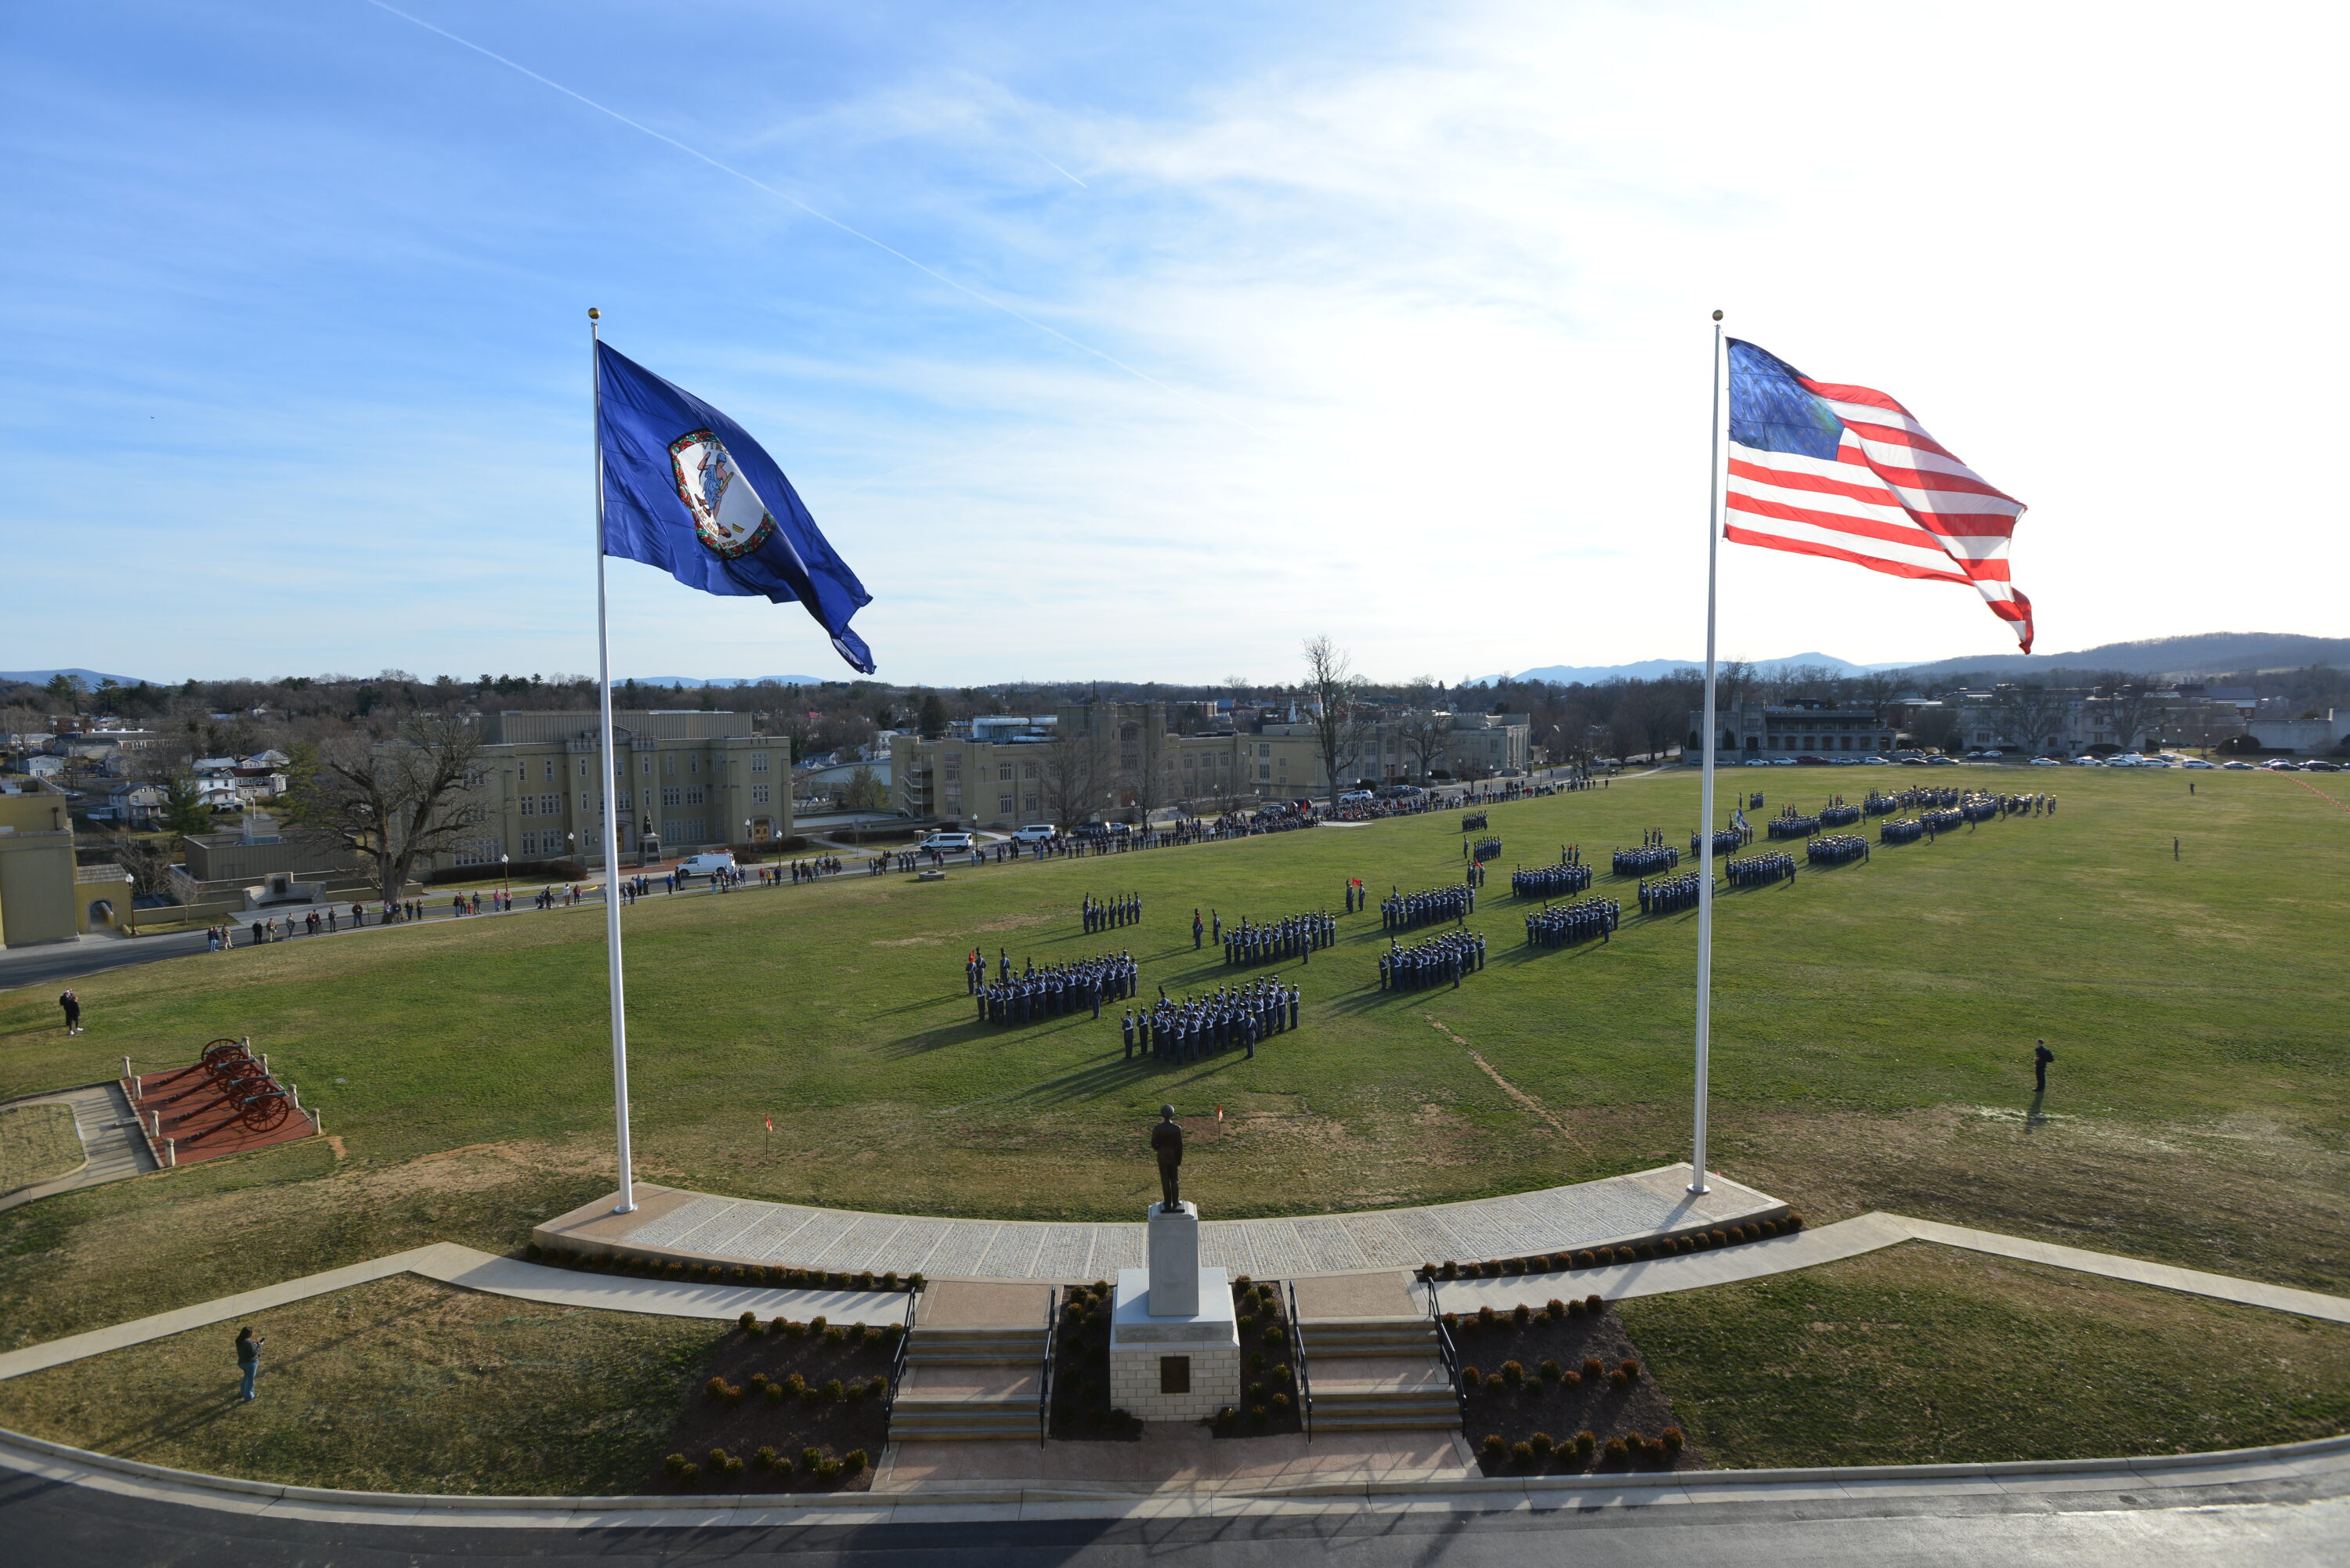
(1850, 1239)
(673, 1222)
(477, 1270)
(110, 1140)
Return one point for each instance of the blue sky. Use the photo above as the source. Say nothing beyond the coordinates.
(1410, 302)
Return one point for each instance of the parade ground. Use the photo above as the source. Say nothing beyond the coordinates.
(814, 1047)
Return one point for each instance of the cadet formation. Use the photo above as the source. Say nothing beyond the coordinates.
(1293, 937)
(1654, 854)
(1564, 925)
(1671, 895)
(1232, 1018)
(1568, 877)
(1054, 991)
(1835, 849)
(1101, 914)
(1439, 961)
(1759, 870)
(1407, 912)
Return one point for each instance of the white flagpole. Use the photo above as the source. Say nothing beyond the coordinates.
(1705, 789)
(606, 797)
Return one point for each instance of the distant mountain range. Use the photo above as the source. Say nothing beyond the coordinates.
(727, 680)
(2208, 653)
(87, 676)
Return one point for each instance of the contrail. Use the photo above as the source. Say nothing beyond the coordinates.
(757, 184)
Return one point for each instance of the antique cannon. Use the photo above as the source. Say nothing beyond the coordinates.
(223, 1056)
(265, 1108)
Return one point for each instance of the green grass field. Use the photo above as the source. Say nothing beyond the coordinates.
(1873, 1029)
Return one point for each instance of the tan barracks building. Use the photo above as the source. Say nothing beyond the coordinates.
(685, 780)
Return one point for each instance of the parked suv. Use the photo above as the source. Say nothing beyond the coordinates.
(1036, 833)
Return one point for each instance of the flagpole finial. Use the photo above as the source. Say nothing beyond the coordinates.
(595, 315)
(1717, 314)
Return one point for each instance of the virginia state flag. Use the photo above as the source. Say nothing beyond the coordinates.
(687, 489)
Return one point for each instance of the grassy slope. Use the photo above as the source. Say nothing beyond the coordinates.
(36, 1142)
(1919, 1355)
(402, 1386)
(1873, 1026)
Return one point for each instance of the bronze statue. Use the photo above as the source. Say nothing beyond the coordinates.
(1167, 1142)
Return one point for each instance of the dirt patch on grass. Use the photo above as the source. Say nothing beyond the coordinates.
(1012, 922)
(909, 941)
(403, 1385)
(475, 1167)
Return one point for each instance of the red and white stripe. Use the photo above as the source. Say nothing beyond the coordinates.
(1892, 499)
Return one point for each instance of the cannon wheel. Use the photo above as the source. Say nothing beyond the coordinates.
(264, 1111)
(216, 1049)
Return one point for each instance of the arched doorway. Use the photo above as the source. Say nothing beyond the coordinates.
(101, 914)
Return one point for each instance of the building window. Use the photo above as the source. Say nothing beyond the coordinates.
(669, 766)
(529, 805)
(759, 796)
(693, 796)
(1028, 770)
(694, 764)
(1003, 803)
(1265, 770)
(623, 800)
(1032, 803)
(1004, 773)
(758, 761)
(669, 794)
(649, 767)
(529, 845)
(954, 776)
(583, 767)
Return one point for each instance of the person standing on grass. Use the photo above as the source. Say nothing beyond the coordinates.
(248, 1361)
(72, 1004)
(2040, 1057)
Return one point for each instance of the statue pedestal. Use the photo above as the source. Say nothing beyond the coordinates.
(1170, 1369)
(1174, 1262)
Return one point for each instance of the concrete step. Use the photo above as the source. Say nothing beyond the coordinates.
(1347, 1410)
(974, 1346)
(964, 1419)
(1370, 1337)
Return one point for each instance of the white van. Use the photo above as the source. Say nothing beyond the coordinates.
(955, 841)
(706, 865)
(1036, 833)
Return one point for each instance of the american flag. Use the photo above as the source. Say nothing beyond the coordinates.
(1820, 469)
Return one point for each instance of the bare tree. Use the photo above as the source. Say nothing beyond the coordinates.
(395, 801)
(1424, 730)
(2029, 716)
(1075, 774)
(1333, 687)
(2132, 709)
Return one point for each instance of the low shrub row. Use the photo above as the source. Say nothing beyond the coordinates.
(883, 1334)
(812, 1464)
(1601, 1257)
(606, 1262)
(1549, 1375)
(1521, 1315)
(1629, 1450)
(775, 1391)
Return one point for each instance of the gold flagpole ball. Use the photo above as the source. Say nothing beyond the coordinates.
(1717, 314)
(595, 315)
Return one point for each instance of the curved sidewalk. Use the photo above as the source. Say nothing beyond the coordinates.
(1865, 1233)
(477, 1270)
(671, 1222)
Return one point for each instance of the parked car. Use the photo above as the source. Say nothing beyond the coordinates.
(1036, 833)
(1874, 763)
(2198, 763)
(1941, 762)
(2046, 762)
(947, 841)
(2086, 762)
(2238, 767)
(2321, 767)
(1756, 762)
(706, 865)
(2279, 765)
(1354, 797)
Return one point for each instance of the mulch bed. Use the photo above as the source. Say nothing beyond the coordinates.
(1081, 1410)
(741, 1427)
(1269, 1383)
(1579, 1402)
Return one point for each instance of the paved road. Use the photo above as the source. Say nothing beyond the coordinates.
(2288, 1525)
(57, 963)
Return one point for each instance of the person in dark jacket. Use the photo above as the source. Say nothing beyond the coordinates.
(2040, 1057)
(248, 1361)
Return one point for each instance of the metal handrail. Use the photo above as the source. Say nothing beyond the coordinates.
(898, 1362)
(1304, 1379)
(1448, 1350)
(1045, 1393)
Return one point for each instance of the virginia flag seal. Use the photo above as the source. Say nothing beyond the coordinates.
(687, 489)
